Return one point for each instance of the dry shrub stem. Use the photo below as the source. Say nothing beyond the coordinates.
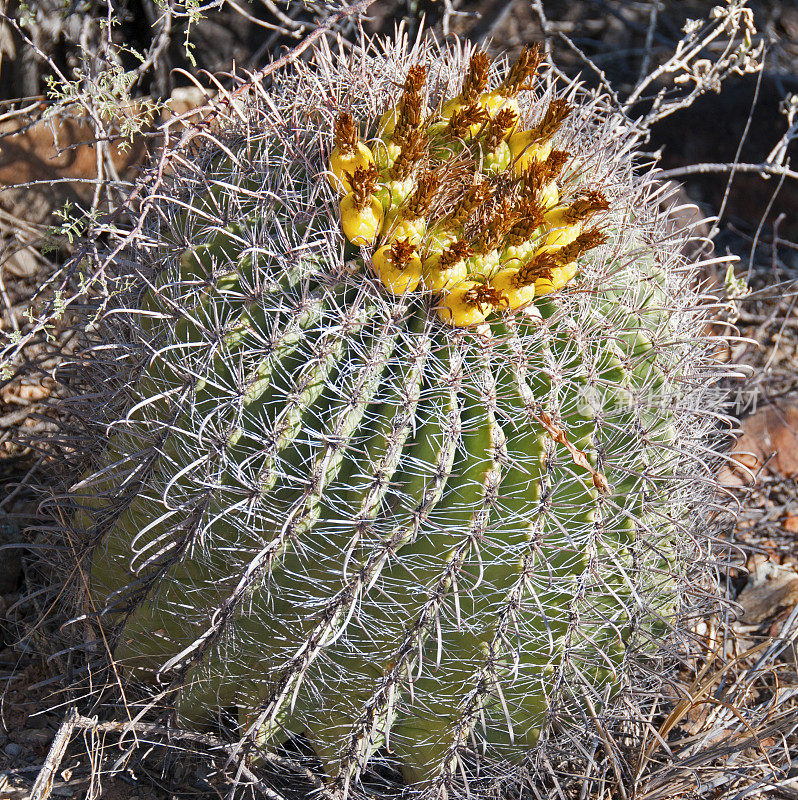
(764, 169)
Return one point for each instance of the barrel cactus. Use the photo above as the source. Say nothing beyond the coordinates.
(414, 410)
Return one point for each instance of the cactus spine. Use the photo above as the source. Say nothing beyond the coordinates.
(421, 493)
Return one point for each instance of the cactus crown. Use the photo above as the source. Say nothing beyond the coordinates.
(462, 175)
(341, 509)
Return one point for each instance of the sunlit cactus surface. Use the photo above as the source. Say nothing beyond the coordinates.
(409, 462)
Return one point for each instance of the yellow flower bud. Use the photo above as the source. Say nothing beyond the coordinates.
(526, 151)
(342, 162)
(550, 195)
(507, 284)
(361, 225)
(560, 276)
(393, 193)
(493, 102)
(385, 153)
(442, 280)
(562, 232)
(484, 263)
(387, 123)
(395, 278)
(398, 227)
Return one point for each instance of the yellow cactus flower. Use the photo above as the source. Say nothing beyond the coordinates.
(361, 224)
(514, 292)
(527, 150)
(560, 276)
(496, 101)
(550, 196)
(444, 270)
(467, 303)
(348, 155)
(398, 267)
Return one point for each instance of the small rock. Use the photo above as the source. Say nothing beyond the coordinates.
(12, 749)
(791, 524)
(36, 736)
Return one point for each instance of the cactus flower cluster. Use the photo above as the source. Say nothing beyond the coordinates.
(461, 201)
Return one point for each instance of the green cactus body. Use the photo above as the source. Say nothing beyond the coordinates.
(350, 520)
